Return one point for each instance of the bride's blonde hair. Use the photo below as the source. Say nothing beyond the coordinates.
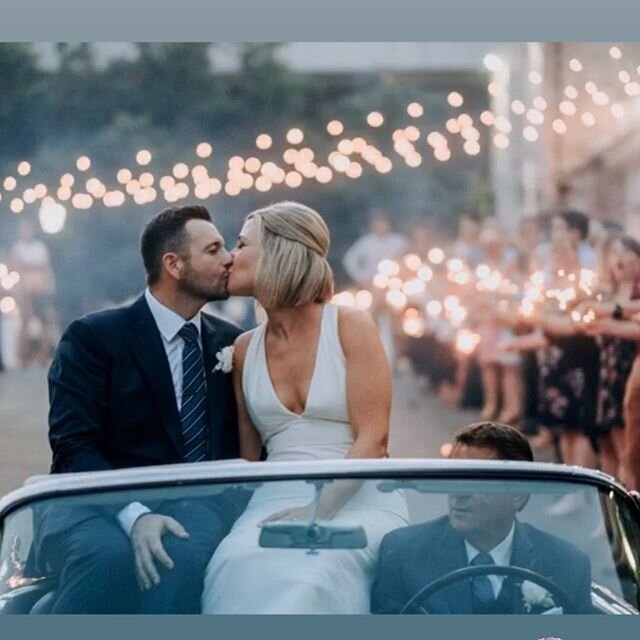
(292, 268)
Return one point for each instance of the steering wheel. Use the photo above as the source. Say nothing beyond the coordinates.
(560, 597)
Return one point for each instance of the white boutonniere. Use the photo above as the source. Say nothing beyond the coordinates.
(225, 360)
(533, 595)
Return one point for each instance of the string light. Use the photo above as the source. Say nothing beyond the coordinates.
(590, 87)
(493, 62)
(143, 157)
(204, 150)
(571, 92)
(575, 65)
(455, 99)
(632, 89)
(559, 126)
(264, 141)
(518, 107)
(471, 147)
(535, 77)
(83, 163)
(244, 173)
(453, 126)
(540, 103)
(487, 118)
(535, 117)
(494, 89)
(180, 171)
(375, 119)
(503, 125)
(295, 136)
(24, 168)
(501, 140)
(17, 205)
(335, 128)
(415, 109)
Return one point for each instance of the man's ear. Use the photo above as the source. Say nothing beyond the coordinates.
(520, 502)
(173, 264)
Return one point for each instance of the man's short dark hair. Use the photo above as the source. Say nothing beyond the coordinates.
(506, 441)
(578, 221)
(165, 233)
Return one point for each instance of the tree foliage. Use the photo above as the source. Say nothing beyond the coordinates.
(167, 97)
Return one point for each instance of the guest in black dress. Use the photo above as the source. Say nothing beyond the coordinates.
(617, 339)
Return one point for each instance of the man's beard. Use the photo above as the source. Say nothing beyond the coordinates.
(198, 287)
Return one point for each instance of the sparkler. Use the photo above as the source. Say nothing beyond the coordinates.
(439, 295)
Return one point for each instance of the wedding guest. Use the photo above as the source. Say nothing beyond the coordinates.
(30, 258)
(618, 340)
(501, 378)
(576, 225)
(466, 246)
(362, 258)
(361, 264)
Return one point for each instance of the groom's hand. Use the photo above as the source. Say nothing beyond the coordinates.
(146, 539)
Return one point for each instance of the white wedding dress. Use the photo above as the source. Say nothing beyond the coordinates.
(242, 577)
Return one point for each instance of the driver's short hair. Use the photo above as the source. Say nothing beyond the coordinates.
(506, 441)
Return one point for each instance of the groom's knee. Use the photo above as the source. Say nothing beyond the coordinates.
(186, 558)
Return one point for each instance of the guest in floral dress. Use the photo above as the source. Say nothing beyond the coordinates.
(618, 341)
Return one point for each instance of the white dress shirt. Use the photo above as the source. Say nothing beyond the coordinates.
(501, 555)
(168, 323)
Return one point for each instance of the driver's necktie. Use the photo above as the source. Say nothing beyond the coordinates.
(193, 411)
(481, 585)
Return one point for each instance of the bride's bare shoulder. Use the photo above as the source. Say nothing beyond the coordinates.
(241, 345)
(355, 327)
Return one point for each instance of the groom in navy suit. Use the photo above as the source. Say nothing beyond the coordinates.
(137, 386)
(480, 529)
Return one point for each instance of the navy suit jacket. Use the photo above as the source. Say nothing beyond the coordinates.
(112, 400)
(412, 557)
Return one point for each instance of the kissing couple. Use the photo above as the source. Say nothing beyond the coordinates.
(153, 383)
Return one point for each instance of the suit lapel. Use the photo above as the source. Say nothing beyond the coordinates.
(148, 349)
(453, 557)
(510, 596)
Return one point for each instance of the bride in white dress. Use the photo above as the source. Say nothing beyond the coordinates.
(312, 383)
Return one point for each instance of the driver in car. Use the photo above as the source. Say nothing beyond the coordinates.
(480, 529)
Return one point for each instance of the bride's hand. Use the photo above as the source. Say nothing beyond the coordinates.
(295, 514)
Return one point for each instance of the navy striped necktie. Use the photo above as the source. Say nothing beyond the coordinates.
(481, 585)
(193, 412)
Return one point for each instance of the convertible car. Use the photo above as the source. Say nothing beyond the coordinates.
(408, 534)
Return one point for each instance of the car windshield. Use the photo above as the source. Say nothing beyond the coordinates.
(397, 545)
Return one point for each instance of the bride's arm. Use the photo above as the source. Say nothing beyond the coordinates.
(368, 384)
(368, 403)
(250, 443)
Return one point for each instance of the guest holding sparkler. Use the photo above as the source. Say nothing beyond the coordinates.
(617, 339)
(568, 363)
(361, 264)
(501, 379)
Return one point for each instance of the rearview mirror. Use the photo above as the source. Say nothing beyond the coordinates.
(300, 535)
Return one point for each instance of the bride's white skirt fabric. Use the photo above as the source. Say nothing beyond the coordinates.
(243, 577)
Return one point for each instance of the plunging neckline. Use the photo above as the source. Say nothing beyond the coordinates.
(313, 374)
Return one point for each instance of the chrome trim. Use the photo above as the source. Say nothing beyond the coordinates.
(243, 471)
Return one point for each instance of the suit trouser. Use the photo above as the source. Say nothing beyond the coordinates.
(95, 563)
